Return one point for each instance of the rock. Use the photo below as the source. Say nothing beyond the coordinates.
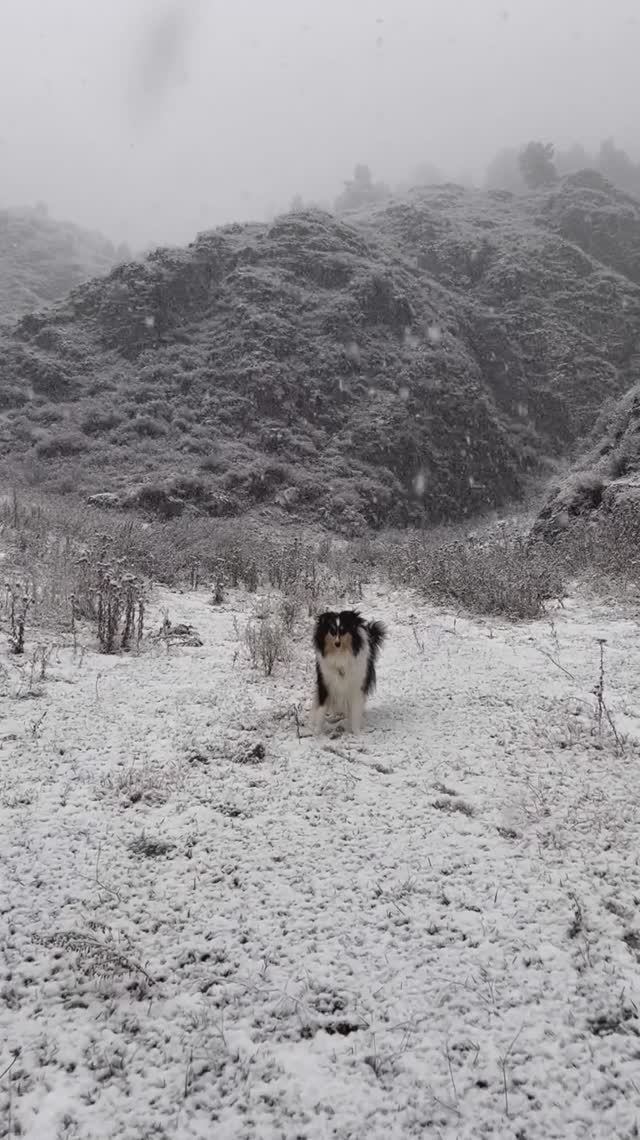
(108, 499)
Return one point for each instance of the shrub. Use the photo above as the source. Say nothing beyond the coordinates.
(12, 396)
(17, 605)
(119, 610)
(266, 641)
(100, 420)
(63, 444)
(606, 546)
(69, 572)
(45, 413)
(508, 577)
(213, 463)
(149, 426)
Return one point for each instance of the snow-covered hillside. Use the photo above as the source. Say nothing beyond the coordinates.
(213, 925)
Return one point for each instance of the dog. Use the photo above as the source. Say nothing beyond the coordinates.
(346, 648)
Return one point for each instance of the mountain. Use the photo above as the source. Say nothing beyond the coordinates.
(41, 259)
(417, 361)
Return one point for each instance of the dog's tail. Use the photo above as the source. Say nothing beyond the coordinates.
(377, 633)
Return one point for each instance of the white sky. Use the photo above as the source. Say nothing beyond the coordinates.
(152, 119)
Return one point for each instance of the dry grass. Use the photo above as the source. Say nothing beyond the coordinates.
(98, 948)
(61, 570)
(266, 641)
(603, 551)
(501, 575)
(82, 563)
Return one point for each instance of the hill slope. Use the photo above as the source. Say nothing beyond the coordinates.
(413, 362)
(41, 259)
(604, 482)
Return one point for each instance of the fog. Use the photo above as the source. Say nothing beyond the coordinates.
(151, 120)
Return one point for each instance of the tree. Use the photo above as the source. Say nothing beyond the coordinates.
(361, 190)
(616, 165)
(537, 165)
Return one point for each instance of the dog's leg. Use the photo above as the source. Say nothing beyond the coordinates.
(356, 713)
(318, 714)
(320, 700)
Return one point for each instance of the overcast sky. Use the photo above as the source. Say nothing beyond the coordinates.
(152, 119)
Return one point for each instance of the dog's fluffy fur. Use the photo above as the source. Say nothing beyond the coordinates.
(347, 650)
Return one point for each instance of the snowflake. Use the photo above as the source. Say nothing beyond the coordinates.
(419, 483)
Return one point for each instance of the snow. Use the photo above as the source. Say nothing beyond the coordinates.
(430, 930)
(419, 483)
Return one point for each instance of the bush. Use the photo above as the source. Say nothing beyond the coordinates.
(46, 413)
(149, 426)
(61, 445)
(506, 577)
(12, 396)
(267, 643)
(607, 546)
(100, 420)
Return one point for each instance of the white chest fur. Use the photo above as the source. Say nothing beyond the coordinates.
(344, 677)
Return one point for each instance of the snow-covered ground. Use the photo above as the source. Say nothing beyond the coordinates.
(432, 931)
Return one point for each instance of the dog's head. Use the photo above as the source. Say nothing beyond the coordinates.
(339, 633)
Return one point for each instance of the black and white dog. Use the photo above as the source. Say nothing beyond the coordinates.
(347, 649)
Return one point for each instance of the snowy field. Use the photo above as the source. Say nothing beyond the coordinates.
(212, 925)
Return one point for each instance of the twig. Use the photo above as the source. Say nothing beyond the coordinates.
(577, 922)
(9, 1067)
(554, 661)
(453, 1083)
(417, 640)
(187, 1075)
(503, 1066)
(37, 723)
(601, 705)
(98, 881)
